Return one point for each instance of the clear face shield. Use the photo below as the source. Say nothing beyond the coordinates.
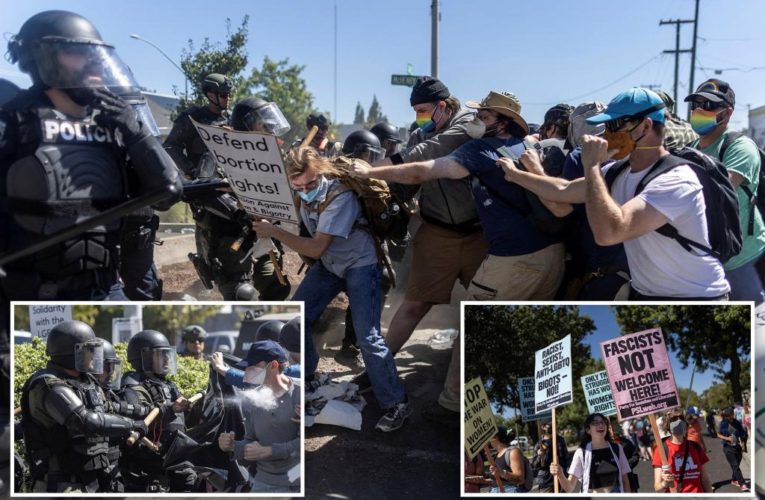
(160, 360)
(89, 357)
(112, 375)
(72, 65)
(391, 147)
(143, 112)
(369, 154)
(269, 119)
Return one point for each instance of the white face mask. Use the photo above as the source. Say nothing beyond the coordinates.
(475, 128)
(254, 375)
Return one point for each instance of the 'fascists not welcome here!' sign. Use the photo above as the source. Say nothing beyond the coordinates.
(640, 374)
(552, 375)
(254, 167)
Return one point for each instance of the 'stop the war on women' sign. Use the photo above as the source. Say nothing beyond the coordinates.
(640, 374)
(254, 167)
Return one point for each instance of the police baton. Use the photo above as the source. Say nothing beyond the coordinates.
(309, 137)
(101, 219)
(196, 397)
(148, 420)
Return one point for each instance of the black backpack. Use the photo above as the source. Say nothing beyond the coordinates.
(755, 199)
(723, 226)
(544, 220)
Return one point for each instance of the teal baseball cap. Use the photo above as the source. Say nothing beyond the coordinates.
(636, 102)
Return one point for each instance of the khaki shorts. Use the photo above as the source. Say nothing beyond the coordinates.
(439, 258)
(534, 276)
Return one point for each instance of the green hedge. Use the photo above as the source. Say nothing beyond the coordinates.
(191, 377)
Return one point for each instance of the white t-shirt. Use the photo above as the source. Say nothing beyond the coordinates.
(659, 265)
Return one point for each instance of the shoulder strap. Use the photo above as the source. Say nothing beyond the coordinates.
(729, 139)
(614, 171)
(340, 188)
(682, 467)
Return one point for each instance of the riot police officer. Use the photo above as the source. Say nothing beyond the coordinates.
(153, 358)
(388, 136)
(66, 429)
(320, 141)
(68, 146)
(193, 339)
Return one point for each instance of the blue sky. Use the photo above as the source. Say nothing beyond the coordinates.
(557, 51)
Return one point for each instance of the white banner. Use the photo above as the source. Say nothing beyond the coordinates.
(552, 375)
(44, 317)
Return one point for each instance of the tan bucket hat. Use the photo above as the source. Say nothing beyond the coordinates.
(504, 103)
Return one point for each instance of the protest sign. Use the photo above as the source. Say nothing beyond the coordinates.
(526, 396)
(479, 419)
(597, 393)
(639, 373)
(253, 165)
(42, 318)
(552, 375)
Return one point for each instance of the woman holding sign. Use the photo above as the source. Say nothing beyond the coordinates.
(514, 469)
(599, 464)
(685, 472)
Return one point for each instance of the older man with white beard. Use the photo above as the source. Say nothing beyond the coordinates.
(270, 402)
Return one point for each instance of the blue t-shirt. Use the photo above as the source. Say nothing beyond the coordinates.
(501, 205)
(594, 255)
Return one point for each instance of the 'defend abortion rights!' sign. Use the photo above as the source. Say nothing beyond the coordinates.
(254, 167)
(552, 375)
(480, 426)
(640, 374)
(597, 393)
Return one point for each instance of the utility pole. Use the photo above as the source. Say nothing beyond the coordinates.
(435, 17)
(677, 51)
(334, 115)
(691, 88)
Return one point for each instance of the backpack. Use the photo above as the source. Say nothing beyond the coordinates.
(385, 216)
(723, 226)
(544, 220)
(755, 199)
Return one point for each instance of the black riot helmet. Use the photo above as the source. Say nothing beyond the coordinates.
(73, 345)
(386, 132)
(318, 120)
(149, 351)
(63, 50)
(269, 330)
(219, 85)
(363, 144)
(258, 115)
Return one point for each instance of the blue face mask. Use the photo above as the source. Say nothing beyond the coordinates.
(311, 195)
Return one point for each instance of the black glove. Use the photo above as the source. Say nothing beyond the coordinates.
(140, 427)
(117, 113)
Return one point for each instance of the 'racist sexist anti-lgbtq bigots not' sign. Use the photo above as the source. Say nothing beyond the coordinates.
(597, 393)
(254, 167)
(526, 395)
(552, 375)
(479, 419)
(640, 374)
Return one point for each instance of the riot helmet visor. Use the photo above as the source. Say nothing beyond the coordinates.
(89, 357)
(159, 360)
(368, 153)
(112, 375)
(268, 118)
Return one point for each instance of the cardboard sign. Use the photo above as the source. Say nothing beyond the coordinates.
(639, 373)
(480, 426)
(597, 393)
(552, 375)
(253, 166)
(42, 318)
(526, 396)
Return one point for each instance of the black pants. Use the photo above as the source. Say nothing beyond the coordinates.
(733, 456)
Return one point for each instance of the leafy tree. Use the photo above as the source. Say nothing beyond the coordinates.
(358, 118)
(500, 342)
(170, 320)
(228, 59)
(282, 83)
(375, 114)
(709, 335)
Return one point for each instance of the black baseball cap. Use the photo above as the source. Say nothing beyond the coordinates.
(714, 90)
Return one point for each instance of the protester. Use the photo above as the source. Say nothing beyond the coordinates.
(475, 474)
(694, 427)
(677, 132)
(272, 433)
(543, 457)
(346, 259)
(731, 435)
(712, 107)
(599, 464)
(660, 267)
(711, 424)
(514, 469)
(686, 471)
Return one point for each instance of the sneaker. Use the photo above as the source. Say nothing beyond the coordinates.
(362, 380)
(394, 417)
(735, 483)
(349, 353)
(744, 487)
(440, 415)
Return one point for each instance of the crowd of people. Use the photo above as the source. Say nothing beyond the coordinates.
(606, 457)
(81, 417)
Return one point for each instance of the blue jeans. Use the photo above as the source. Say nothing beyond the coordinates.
(362, 284)
(745, 283)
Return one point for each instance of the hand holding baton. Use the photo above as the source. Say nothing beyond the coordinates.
(148, 420)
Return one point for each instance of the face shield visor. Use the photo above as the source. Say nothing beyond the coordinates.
(89, 357)
(391, 146)
(112, 375)
(369, 154)
(160, 360)
(268, 118)
(72, 65)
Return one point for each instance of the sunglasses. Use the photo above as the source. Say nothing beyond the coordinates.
(706, 105)
(618, 123)
(196, 341)
(224, 95)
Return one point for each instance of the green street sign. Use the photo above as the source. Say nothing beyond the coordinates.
(407, 80)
